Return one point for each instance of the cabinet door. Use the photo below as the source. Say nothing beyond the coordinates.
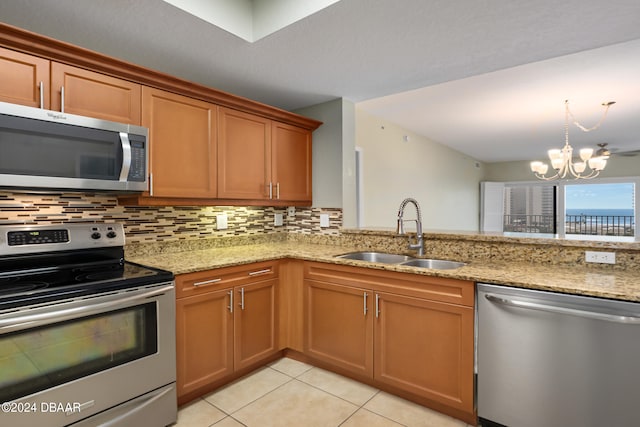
(244, 147)
(204, 340)
(291, 162)
(255, 321)
(426, 348)
(94, 95)
(20, 79)
(182, 134)
(339, 326)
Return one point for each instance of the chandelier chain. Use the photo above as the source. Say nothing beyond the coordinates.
(597, 125)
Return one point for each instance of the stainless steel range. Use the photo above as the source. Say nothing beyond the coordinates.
(86, 338)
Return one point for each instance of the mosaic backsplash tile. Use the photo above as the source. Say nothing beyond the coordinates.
(154, 224)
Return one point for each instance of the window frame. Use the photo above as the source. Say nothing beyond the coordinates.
(561, 207)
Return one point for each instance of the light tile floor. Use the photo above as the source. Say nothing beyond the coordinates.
(292, 393)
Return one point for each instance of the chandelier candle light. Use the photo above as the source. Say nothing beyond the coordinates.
(562, 159)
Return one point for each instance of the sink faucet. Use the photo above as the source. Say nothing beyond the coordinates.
(419, 245)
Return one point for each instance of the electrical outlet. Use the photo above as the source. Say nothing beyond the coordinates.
(277, 220)
(221, 221)
(600, 257)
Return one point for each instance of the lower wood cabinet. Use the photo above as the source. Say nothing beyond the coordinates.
(226, 320)
(339, 325)
(426, 348)
(204, 340)
(406, 333)
(413, 333)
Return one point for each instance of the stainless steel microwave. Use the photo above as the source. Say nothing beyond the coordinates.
(48, 150)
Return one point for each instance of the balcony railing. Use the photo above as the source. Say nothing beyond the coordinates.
(530, 223)
(597, 225)
(600, 225)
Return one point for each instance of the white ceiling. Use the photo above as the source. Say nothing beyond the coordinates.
(469, 57)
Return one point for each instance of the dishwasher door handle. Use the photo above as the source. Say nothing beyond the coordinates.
(563, 310)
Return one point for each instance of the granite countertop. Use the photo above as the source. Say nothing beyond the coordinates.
(599, 282)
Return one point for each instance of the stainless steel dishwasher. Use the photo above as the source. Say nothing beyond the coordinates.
(556, 360)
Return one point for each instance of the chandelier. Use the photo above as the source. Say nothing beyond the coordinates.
(562, 159)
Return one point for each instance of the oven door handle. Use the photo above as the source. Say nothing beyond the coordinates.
(17, 323)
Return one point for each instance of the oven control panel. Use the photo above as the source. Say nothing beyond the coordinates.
(16, 239)
(36, 237)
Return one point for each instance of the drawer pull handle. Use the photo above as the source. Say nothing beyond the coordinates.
(207, 282)
(255, 273)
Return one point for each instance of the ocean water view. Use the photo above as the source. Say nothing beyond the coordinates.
(612, 222)
(600, 212)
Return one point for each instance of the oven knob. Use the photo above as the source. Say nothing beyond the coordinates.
(111, 234)
(95, 235)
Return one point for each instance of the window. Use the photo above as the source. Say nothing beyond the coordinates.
(600, 209)
(578, 210)
(530, 209)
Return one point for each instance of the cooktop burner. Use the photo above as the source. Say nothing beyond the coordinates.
(12, 285)
(73, 260)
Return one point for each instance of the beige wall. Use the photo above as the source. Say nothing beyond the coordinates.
(444, 181)
(617, 166)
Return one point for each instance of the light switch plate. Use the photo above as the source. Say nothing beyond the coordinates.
(277, 219)
(221, 221)
(324, 220)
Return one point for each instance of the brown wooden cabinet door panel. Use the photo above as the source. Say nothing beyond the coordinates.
(204, 340)
(426, 348)
(20, 77)
(291, 162)
(244, 147)
(339, 326)
(182, 144)
(92, 94)
(255, 321)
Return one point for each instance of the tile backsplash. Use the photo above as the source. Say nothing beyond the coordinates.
(154, 224)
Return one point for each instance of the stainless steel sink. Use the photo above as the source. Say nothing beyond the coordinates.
(381, 257)
(385, 258)
(436, 264)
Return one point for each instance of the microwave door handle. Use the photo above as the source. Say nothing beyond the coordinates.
(126, 156)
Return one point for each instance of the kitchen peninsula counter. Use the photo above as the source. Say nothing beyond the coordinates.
(598, 281)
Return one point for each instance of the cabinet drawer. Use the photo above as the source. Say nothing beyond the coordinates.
(207, 281)
(433, 288)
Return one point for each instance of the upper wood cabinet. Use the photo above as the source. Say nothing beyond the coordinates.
(262, 159)
(182, 140)
(291, 162)
(264, 154)
(87, 93)
(24, 79)
(37, 82)
(244, 145)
